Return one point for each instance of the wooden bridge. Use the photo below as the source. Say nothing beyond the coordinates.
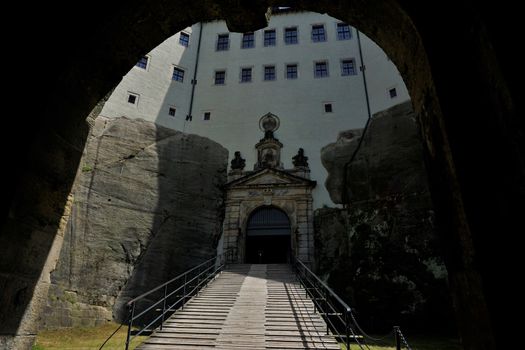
(249, 307)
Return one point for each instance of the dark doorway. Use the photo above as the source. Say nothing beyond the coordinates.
(268, 239)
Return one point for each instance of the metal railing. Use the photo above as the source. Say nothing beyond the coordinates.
(149, 310)
(330, 306)
(339, 317)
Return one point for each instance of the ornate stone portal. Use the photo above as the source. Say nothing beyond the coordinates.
(269, 185)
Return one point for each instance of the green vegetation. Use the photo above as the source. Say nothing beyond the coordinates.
(90, 338)
(84, 338)
(416, 343)
(86, 168)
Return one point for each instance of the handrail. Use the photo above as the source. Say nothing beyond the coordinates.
(171, 280)
(325, 286)
(190, 282)
(332, 308)
(337, 314)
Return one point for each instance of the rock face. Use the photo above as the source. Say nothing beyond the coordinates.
(147, 205)
(381, 252)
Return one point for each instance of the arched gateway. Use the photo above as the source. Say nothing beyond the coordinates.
(269, 211)
(268, 236)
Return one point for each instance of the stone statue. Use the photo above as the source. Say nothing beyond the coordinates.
(238, 162)
(268, 159)
(300, 159)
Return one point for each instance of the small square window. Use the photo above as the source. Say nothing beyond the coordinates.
(207, 115)
(318, 33)
(269, 73)
(171, 111)
(246, 75)
(143, 62)
(178, 74)
(220, 77)
(291, 71)
(248, 40)
(223, 42)
(184, 39)
(328, 108)
(321, 69)
(269, 37)
(290, 36)
(348, 67)
(343, 31)
(133, 99)
(392, 92)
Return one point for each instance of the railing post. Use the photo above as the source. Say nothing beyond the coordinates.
(164, 306)
(398, 338)
(184, 292)
(130, 323)
(347, 329)
(326, 311)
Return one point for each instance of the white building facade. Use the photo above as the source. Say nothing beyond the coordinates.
(304, 68)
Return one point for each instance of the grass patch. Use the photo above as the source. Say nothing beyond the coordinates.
(85, 338)
(416, 343)
(86, 168)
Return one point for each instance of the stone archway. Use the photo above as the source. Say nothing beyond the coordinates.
(268, 236)
(270, 187)
(468, 63)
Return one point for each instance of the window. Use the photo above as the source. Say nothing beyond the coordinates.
(318, 33)
(178, 74)
(321, 69)
(348, 67)
(184, 39)
(392, 92)
(207, 115)
(269, 73)
(246, 75)
(220, 77)
(269, 37)
(223, 42)
(291, 71)
(248, 40)
(328, 108)
(143, 62)
(133, 98)
(343, 31)
(290, 36)
(171, 111)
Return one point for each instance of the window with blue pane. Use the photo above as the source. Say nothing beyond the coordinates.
(348, 67)
(246, 75)
(269, 73)
(143, 62)
(269, 37)
(291, 71)
(223, 42)
(178, 74)
(318, 33)
(290, 36)
(321, 70)
(248, 40)
(220, 77)
(184, 39)
(343, 31)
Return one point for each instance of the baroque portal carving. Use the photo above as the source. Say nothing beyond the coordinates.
(270, 184)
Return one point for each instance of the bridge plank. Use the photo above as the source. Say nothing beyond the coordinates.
(256, 307)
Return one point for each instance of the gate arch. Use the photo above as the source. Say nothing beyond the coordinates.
(268, 236)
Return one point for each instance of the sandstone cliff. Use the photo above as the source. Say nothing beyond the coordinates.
(147, 205)
(381, 252)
